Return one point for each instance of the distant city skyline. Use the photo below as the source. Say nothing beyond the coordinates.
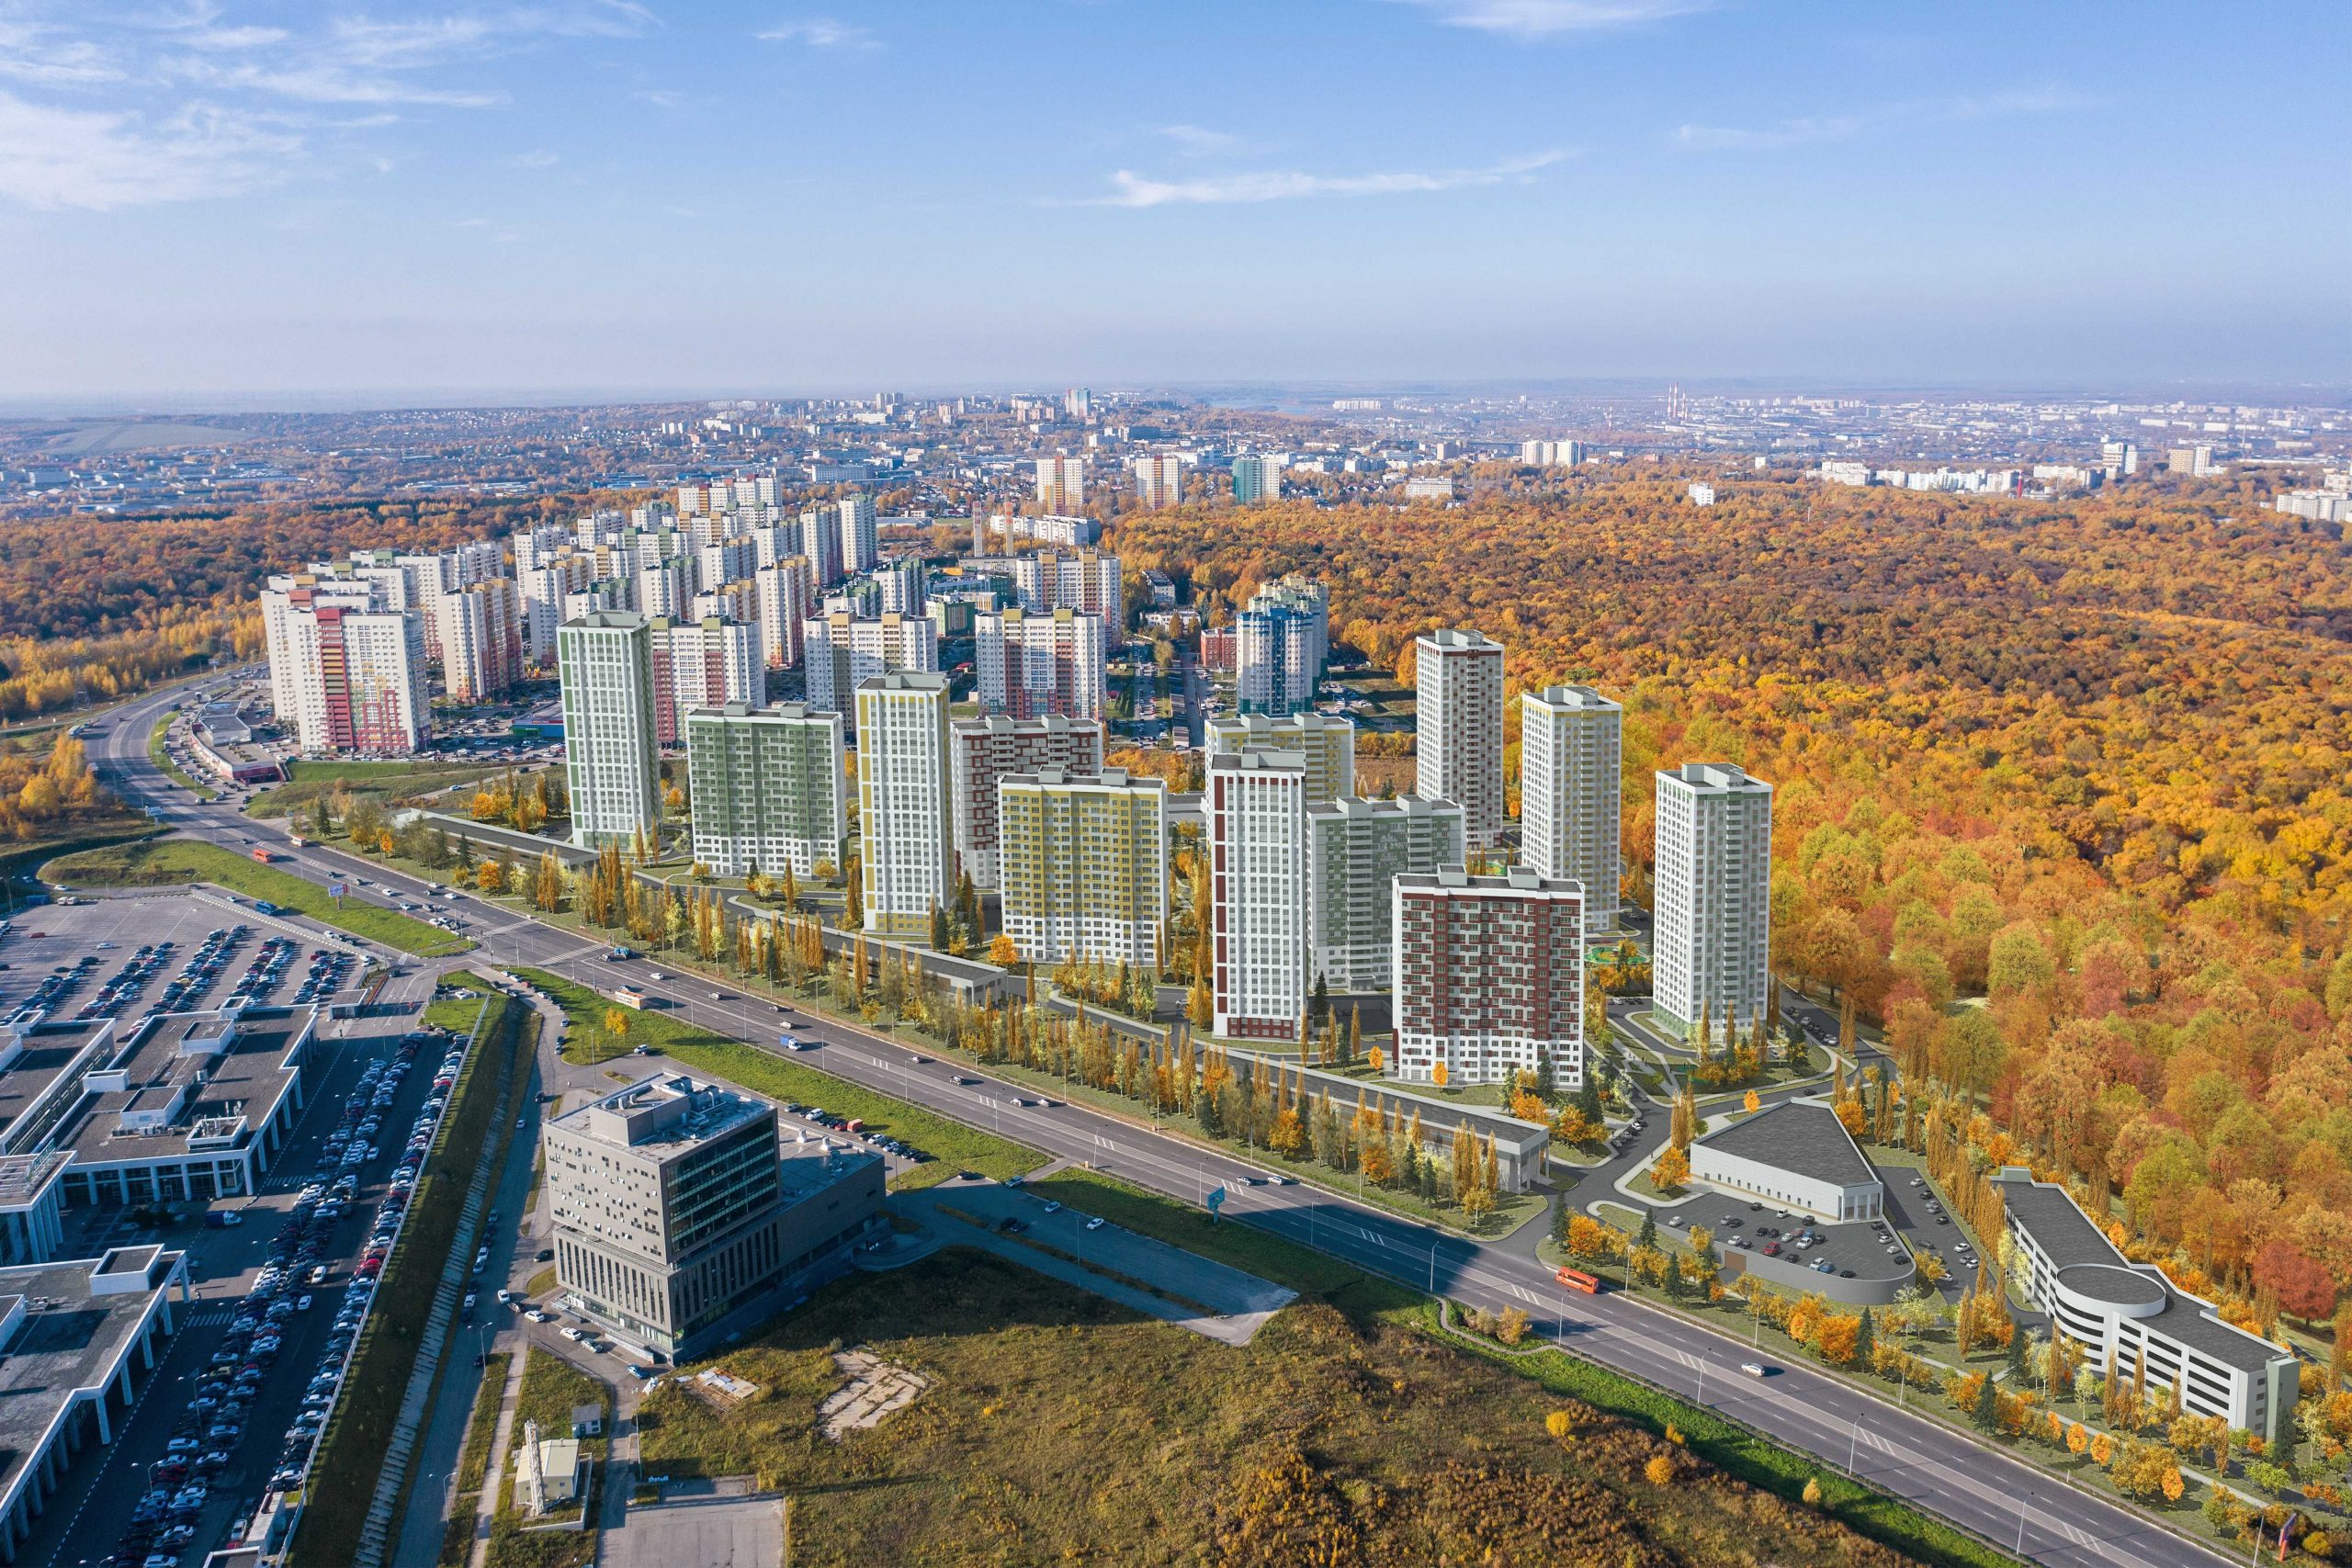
(598, 201)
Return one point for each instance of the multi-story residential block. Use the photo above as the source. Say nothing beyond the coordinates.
(908, 859)
(820, 544)
(1551, 453)
(1087, 582)
(1489, 976)
(1459, 753)
(902, 586)
(1220, 650)
(678, 1219)
(482, 639)
(861, 534)
(788, 591)
(287, 596)
(1257, 478)
(1355, 849)
(1030, 665)
(546, 585)
(2131, 1317)
(1084, 865)
(1281, 640)
(1327, 744)
(665, 587)
(352, 677)
(1159, 481)
(702, 664)
(987, 749)
(1570, 740)
(730, 559)
(1160, 587)
(1061, 484)
(1061, 532)
(605, 662)
(1714, 897)
(768, 787)
(1256, 804)
(841, 652)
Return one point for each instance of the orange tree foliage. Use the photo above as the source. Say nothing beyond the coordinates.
(98, 607)
(2085, 760)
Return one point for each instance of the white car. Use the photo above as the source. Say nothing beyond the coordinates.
(1755, 1369)
(535, 1316)
(572, 1334)
(1094, 1223)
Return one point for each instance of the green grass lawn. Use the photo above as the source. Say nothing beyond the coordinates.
(1243, 1247)
(404, 783)
(951, 1145)
(458, 1013)
(551, 1388)
(179, 860)
(473, 1464)
(1057, 1427)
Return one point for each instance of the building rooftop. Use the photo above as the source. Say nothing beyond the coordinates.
(2088, 1262)
(1800, 1135)
(903, 680)
(35, 1060)
(1409, 806)
(64, 1326)
(1268, 761)
(1049, 723)
(1449, 637)
(186, 1083)
(1519, 881)
(1249, 726)
(664, 1116)
(1726, 778)
(1572, 697)
(610, 620)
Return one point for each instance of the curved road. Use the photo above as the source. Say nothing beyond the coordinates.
(1940, 1471)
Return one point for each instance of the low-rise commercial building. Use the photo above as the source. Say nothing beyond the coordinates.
(679, 1218)
(1794, 1155)
(2151, 1330)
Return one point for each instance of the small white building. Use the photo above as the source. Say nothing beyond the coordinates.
(2112, 1306)
(1794, 1155)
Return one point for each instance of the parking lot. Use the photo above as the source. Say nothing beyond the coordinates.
(1915, 1209)
(239, 1390)
(124, 958)
(1853, 1251)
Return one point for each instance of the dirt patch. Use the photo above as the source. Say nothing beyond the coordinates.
(875, 1387)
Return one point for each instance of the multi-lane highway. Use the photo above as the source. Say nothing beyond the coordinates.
(1941, 1471)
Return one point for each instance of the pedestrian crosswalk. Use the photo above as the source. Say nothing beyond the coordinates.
(206, 1316)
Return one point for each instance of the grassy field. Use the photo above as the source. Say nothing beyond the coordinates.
(177, 861)
(387, 1346)
(317, 781)
(1060, 1427)
(1243, 1247)
(951, 1145)
(473, 1464)
(551, 1388)
(456, 1011)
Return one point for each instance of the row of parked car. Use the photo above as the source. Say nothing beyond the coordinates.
(56, 987)
(268, 967)
(327, 970)
(204, 967)
(123, 989)
(817, 1115)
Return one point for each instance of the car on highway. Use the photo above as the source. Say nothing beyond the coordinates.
(1095, 1223)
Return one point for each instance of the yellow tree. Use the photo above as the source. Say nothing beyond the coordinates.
(617, 1024)
(1672, 1169)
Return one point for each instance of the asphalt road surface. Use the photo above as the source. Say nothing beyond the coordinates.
(1942, 1471)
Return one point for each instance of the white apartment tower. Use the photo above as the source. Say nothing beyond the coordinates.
(605, 663)
(482, 639)
(702, 664)
(1714, 895)
(909, 851)
(861, 537)
(842, 651)
(1030, 665)
(1570, 745)
(787, 591)
(1159, 481)
(821, 543)
(1087, 582)
(1327, 744)
(1257, 817)
(1459, 676)
(347, 678)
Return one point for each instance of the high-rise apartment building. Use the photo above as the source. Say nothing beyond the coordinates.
(678, 1219)
(1256, 478)
(1490, 978)
(821, 543)
(1551, 453)
(1281, 640)
(1159, 481)
(768, 788)
(908, 849)
(665, 587)
(702, 664)
(841, 652)
(1714, 930)
(353, 677)
(1087, 582)
(1030, 665)
(786, 592)
(482, 639)
(1327, 744)
(1570, 740)
(545, 586)
(284, 596)
(1459, 752)
(986, 750)
(1061, 485)
(1355, 848)
(903, 586)
(1084, 865)
(605, 662)
(730, 559)
(861, 535)
(1256, 804)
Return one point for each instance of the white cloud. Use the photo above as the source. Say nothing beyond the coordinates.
(1807, 129)
(1287, 185)
(821, 32)
(98, 160)
(536, 158)
(37, 55)
(661, 97)
(1199, 143)
(1546, 18)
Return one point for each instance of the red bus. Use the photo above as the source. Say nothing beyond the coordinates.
(1577, 1280)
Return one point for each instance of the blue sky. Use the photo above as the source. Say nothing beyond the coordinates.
(205, 199)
